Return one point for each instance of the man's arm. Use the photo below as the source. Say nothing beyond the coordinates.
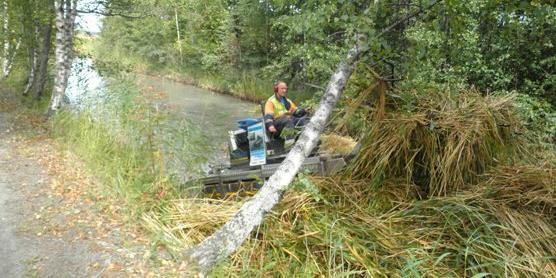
(268, 116)
(296, 112)
(293, 107)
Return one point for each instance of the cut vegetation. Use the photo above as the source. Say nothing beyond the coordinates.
(444, 189)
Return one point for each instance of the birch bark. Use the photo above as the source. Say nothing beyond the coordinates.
(33, 56)
(66, 11)
(5, 39)
(178, 34)
(230, 236)
(8, 60)
(9, 50)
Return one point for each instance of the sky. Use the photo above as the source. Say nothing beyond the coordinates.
(88, 22)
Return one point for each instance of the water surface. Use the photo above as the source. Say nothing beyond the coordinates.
(215, 113)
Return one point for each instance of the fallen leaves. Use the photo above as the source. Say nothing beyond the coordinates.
(68, 204)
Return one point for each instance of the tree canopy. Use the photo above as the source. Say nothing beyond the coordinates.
(492, 45)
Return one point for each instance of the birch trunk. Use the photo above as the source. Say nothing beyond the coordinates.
(5, 33)
(178, 34)
(230, 236)
(66, 11)
(8, 49)
(8, 60)
(33, 55)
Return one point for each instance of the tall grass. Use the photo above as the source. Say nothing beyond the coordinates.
(132, 146)
(243, 84)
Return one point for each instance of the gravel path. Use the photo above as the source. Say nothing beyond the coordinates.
(24, 250)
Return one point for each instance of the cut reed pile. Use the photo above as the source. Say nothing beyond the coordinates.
(530, 188)
(502, 226)
(442, 142)
(188, 221)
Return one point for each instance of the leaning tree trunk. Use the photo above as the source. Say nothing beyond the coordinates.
(230, 236)
(66, 11)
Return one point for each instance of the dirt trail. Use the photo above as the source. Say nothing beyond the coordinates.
(24, 247)
(52, 222)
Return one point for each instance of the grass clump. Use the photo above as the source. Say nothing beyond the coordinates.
(188, 221)
(442, 142)
(336, 144)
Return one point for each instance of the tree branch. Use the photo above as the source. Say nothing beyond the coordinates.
(108, 13)
(416, 13)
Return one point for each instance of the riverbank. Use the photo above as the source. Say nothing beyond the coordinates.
(243, 84)
(502, 222)
(204, 83)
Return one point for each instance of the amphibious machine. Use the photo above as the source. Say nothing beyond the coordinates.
(255, 155)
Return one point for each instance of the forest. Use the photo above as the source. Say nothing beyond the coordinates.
(451, 104)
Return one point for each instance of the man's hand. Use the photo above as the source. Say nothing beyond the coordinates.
(272, 129)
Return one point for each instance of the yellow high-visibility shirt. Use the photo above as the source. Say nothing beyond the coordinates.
(277, 109)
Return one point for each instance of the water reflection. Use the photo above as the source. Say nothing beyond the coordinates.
(86, 88)
(215, 113)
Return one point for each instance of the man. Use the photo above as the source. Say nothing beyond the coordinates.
(281, 112)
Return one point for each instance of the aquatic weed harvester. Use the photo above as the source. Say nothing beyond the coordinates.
(255, 154)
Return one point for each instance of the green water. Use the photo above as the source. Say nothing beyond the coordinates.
(215, 113)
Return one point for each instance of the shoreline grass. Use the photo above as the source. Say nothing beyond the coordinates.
(136, 150)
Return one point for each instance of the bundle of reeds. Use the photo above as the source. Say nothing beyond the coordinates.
(523, 187)
(502, 226)
(443, 143)
(188, 221)
(336, 144)
(355, 231)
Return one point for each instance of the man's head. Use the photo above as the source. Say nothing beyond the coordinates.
(281, 88)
